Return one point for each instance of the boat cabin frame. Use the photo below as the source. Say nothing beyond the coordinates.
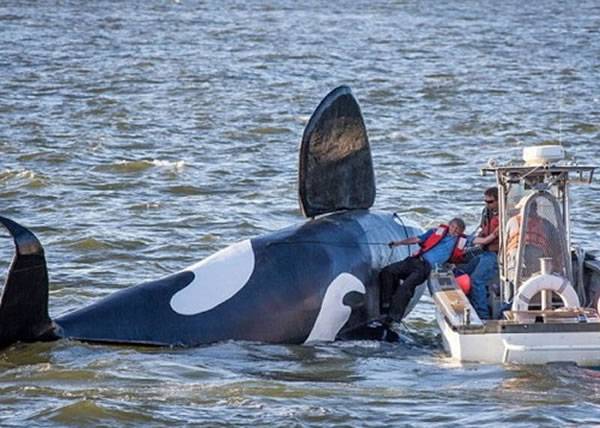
(546, 307)
(519, 186)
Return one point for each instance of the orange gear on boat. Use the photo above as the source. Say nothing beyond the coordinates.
(534, 235)
(464, 282)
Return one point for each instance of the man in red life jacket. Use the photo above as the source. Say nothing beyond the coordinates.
(484, 266)
(438, 245)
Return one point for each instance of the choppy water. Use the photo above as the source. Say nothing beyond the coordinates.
(139, 137)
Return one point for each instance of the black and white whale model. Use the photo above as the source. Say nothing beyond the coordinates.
(316, 281)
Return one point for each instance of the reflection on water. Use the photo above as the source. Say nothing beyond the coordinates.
(136, 140)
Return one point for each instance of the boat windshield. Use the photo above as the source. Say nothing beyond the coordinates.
(535, 230)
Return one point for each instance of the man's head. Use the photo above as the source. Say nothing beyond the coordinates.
(456, 226)
(490, 196)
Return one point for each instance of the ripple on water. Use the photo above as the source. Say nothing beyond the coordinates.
(190, 190)
(584, 128)
(145, 206)
(94, 244)
(47, 156)
(88, 412)
(136, 166)
(269, 130)
(24, 178)
(90, 244)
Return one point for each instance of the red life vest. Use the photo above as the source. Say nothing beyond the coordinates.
(458, 252)
(488, 226)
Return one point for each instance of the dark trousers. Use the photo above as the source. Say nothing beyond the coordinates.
(413, 271)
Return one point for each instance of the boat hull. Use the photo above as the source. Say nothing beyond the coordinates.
(580, 347)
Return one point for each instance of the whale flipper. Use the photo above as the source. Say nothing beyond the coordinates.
(24, 302)
(336, 169)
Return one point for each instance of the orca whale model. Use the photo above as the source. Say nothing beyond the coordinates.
(316, 281)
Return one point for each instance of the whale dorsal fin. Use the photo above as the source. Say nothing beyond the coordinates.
(336, 170)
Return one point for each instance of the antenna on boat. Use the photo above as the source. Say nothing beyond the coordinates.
(560, 104)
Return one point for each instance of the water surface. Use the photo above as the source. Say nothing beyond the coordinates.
(139, 137)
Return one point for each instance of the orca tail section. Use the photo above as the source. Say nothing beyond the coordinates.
(24, 301)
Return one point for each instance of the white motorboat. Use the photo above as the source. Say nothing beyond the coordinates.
(545, 300)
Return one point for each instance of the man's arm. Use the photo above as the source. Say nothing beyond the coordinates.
(484, 240)
(406, 241)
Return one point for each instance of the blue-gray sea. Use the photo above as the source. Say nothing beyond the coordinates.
(138, 137)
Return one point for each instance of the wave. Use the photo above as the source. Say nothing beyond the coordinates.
(134, 166)
(26, 178)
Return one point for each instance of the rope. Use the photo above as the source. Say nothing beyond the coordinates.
(405, 231)
(351, 244)
(332, 243)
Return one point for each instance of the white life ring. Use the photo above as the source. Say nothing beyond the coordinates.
(533, 286)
